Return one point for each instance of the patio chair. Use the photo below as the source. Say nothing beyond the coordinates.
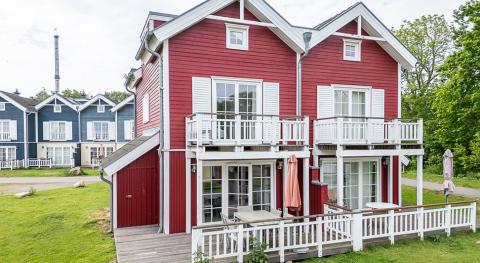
(230, 236)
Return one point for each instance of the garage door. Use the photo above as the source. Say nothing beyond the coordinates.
(138, 192)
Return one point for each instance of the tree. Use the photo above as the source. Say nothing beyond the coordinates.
(42, 95)
(457, 103)
(117, 95)
(429, 38)
(74, 94)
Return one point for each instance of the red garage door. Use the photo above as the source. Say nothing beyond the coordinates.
(138, 192)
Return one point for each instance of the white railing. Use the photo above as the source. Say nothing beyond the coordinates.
(340, 130)
(11, 164)
(334, 227)
(241, 129)
(4, 136)
(40, 163)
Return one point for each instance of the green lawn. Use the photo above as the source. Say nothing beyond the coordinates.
(66, 225)
(44, 172)
(438, 178)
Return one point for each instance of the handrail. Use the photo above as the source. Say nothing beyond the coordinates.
(368, 118)
(339, 207)
(246, 114)
(353, 212)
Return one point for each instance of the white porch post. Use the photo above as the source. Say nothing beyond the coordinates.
(188, 194)
(420, 180)
(340, 180)
(199, 191)
(306, 187)
(390, 179)
(284, 180)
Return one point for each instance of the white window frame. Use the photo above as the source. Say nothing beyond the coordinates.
(7, 155)
(237, 82)
(57, 108)
(96, 149)
(2, 106)
(106, 132)
(100, 108)
(63, 161)
(146, 108)
(242, 29)
(58, 137)
(358, 49)
(5, 135)
(351, 88)
(225, 166)
(378, 182)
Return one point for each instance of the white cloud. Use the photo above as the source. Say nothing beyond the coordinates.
(99, 39)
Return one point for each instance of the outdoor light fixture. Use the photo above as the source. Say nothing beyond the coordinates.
(194, 168)
(280, 164)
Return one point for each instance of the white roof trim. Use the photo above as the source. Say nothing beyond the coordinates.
(94, 99)
(58, 97)
(10, 100)
(132, 156)
(123, 103)
(373, 26)
(133, 78)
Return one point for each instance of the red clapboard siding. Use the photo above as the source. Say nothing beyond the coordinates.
(148, 85)
(325, 66)
(268, 58)
(177, 192)
(139, 180)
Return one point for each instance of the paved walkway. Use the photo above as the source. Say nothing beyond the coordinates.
(11, 185)
(464, 191)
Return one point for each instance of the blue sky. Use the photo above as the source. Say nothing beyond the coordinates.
(99, 38)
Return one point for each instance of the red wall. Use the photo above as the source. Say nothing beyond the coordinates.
(148, 85)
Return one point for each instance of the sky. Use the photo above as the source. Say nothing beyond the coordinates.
(99, 38)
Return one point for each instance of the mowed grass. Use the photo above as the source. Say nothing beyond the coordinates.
(44, 172)
(431, 176)
(460, 247)
(65, 225)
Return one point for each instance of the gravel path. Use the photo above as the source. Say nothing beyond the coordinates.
(463, 191)
(11, 185)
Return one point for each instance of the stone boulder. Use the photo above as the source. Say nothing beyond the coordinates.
(76, 171)
(79, 184)
(23, 194)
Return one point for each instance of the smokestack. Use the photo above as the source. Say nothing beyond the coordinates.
(57, 67)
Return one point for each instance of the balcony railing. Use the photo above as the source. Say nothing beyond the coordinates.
(11, 164)
(362, 130)
(243, 129)
(39, 163)
(4, 136)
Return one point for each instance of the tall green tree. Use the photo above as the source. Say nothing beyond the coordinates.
(457, 103)
(429, 38)
(117, 95)
(42, 95)
(74, 94)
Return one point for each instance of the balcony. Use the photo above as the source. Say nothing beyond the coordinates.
(367, 131)
(4, 136)
(246, 130)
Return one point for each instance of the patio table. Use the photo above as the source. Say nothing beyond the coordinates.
(381, 205)
(257, 215)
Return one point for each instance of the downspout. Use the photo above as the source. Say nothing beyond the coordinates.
(134, 107)
(307, 36)
(100, 173)
(160, 132)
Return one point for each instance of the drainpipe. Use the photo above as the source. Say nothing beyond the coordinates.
(134, 106)
(160, 132)
(307, 36)
(100, 173)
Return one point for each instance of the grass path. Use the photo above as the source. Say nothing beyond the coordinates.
(44, 172)
(65, 225)
(469, 182)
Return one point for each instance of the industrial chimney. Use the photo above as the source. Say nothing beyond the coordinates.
(57, 67)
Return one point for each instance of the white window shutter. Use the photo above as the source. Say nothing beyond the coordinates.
(271, 102)
(46, 131)
(90, 131)
(127, 130)
(68, 130)
(201, 95)
(325, 105)
(111, 131)
(378, 112)
(146, 108)
(13, 130)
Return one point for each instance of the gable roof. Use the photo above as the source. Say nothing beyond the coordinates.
(129, 153)
(123, 103)
(25, 104)
(259, 8)
(94, 99)
(372, 25)
(67, 101)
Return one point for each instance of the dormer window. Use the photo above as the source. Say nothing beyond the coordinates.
(2, 106)
(57, 108)
(237, 37)
(101, 108)
(351, 49)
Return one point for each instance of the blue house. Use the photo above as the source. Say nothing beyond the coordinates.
(58, 131)
(98, 132)
(125, 119)
(17, 130)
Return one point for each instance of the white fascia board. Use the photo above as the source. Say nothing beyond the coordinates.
(372, 25)
(205, 156)
(94, 99)
(123, 103)
(132, 156)
(58, 97)
(133, 78)
(372, 153)
(10, 100)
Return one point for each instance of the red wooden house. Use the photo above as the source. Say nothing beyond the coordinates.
(229, 90)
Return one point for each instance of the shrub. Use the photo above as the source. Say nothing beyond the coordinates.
(257, 253)
(199, 257)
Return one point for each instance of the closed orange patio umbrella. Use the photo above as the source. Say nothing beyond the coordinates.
(292, 189)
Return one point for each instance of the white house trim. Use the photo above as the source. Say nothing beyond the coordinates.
(10, 100)
(58, 97)
(133, 77)
(123, 103)
(94, 99)
(240, 21)
(166, 136)
(114, 205)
